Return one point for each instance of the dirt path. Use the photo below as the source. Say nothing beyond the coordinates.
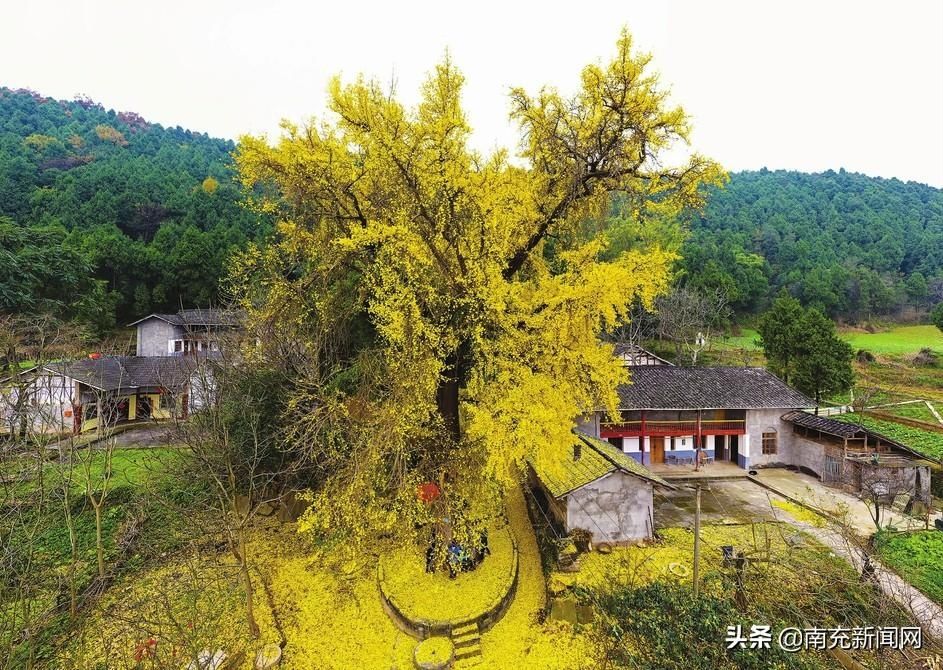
(812, 492)
(926, 612)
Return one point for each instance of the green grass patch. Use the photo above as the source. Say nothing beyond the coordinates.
(925, 442)
(917, 557)
(898, 340)
(747, 339)
(917, 411)
(129, 467)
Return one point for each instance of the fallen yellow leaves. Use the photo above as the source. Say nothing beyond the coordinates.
(424, 596)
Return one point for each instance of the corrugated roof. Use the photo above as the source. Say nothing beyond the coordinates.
(670, 387)
(597, 459)
(824, 424)
(115, 373)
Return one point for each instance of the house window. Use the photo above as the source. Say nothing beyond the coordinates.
(167, 401)
(672, 445)
(178, 345)
(769, 443)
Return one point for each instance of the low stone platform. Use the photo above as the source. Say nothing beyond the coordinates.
(718, 470)
(424, 604)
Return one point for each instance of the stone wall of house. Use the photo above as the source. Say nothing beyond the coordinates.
(759, 421)
(617, 508)
(153, 336)
(894, 480)
(589, 424)
(810, 455)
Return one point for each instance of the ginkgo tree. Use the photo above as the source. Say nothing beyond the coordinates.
(441, 309)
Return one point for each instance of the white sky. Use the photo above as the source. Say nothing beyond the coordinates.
(798, 85)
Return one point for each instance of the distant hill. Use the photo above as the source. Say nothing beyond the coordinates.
(131, 217)
(854, 245)
(105, 217)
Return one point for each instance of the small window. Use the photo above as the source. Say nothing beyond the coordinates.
(770, 445)
(672, 445)
(178, 345)
(167, 401)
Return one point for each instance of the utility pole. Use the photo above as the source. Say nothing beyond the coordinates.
(697, 538)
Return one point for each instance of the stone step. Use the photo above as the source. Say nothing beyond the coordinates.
(469, 640)
(468, 653)
(464, 630)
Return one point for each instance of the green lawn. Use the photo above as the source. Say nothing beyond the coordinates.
(899, 340)
(747, 339)
(917, 557)
(132, 467)
(129, 467)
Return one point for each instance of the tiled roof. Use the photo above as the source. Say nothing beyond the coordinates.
(208, 317)
(115, 373)
(597, 459)
(823, 424)
(636, 354)
(670, 387)
(197, 317)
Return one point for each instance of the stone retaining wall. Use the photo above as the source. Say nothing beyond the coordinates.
(424, 628)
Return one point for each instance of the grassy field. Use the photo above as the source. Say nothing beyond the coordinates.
(898, 340)
(918, 557)
(917, 411)
(747, 339)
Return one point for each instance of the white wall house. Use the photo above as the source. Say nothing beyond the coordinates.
(599, 489)
(189, 331)
(669, 413)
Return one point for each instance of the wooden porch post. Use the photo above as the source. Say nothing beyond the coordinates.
(697, 444)
(641, 438)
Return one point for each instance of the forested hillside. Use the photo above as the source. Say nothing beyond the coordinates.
(856, 246)
(105, 216)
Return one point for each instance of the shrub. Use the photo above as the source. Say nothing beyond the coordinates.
(925, 357)
(662, 627)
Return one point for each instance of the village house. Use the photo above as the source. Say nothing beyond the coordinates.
(189, 331)
(599, 489)
(668, 414)
(78, 396)
(856, 459)
(167, 379)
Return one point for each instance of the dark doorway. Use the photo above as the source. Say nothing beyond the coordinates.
(735, 449)
(720, 447)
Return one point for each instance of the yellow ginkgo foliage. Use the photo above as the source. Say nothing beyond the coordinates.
(440, 310)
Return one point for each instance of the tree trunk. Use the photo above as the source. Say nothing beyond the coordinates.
(447, 394)
(73, 560)
(99, 547)
(247, 584)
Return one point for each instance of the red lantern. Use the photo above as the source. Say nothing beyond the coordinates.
(428, 492)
